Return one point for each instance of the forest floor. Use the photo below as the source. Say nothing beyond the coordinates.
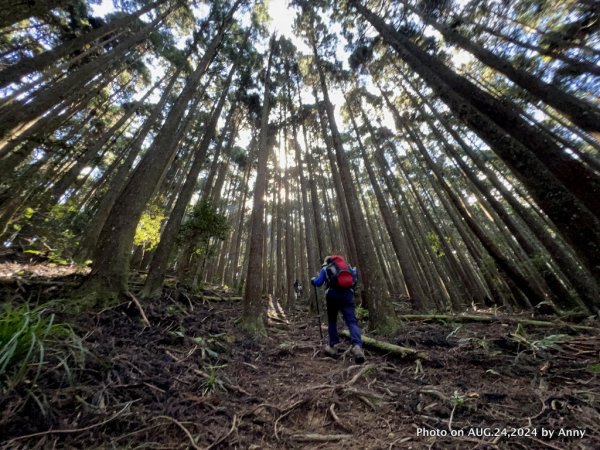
(192, 380)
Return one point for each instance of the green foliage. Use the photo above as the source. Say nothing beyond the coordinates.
(361, 55)
(164, 45)
(27, 338)
(202, 224)
(58, 237)
(212, 382)
(53, 257)
(208, 346)
(29, 212)
(436, 243)
(551, 342)
(594, 368)
(239, 156)
(362, 313)
(205, 344)
(148, 228)
(457, 399)
(138, 67)
(260, 17)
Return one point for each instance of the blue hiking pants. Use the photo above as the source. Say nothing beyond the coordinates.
(342, 301)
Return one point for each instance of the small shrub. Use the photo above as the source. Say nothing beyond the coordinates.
(362, 313)
(212, 383)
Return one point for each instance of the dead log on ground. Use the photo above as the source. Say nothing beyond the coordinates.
(390, 348)
(492, 319)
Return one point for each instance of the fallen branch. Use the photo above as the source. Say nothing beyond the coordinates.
(363, 393)
(185, 430)
(214, 298)
(278, 320)
(314, 437)
(213, 292)
(139, 306)
(37, 281)
(234, 425)
(435, 393)
(74, 430)
(390, 348)
(452, 417)
(492, 319)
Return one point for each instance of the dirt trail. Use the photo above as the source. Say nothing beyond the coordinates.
(192, 381)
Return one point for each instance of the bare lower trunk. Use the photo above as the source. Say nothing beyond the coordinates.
(253, 306)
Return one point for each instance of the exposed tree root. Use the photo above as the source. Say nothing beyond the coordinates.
(337, 420)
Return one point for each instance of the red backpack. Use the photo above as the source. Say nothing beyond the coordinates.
(339, 274)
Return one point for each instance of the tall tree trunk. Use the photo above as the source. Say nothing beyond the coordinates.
(19, 10)
(252, 320)
(504, 263)
(279, 252)
(291, 264)
(381, 312)
(342, 206)
(576, 64)
(308, 215)
(315, 205)
(577, 111)
(158, 266)
(227, 137)
(234, 251)
(111, 257)
(118, 182)
(18, 117)
(14, 152)
(398, 238)
(576, 222)
(15, 72)
(582, 280)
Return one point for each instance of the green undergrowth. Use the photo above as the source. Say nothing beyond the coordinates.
(210, 350)
(29, 340)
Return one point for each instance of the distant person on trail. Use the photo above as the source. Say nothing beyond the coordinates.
(340, 282)
(298, 289)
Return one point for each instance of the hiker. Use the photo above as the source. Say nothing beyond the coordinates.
(298, 289)
(340, 282)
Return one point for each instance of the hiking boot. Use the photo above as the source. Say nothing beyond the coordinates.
(357, 352)
(330, 350)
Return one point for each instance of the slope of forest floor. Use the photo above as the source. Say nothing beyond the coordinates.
(192, 380)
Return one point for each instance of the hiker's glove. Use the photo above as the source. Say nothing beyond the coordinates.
(312, 281)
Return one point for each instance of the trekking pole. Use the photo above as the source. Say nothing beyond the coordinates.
(318, 312)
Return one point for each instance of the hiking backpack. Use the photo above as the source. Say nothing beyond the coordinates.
(338, 273)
